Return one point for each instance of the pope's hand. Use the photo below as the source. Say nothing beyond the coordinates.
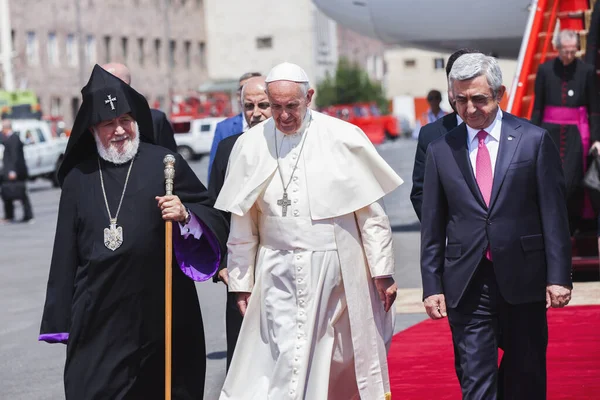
(387, 288)
(435, 305)
(242, 301)
(224, 276)
(557, 296)
(172, 209)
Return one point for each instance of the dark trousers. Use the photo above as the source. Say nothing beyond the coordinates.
(9, 208)
(481, 323)
(233, 323)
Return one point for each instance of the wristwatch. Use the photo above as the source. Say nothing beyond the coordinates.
(188, 217)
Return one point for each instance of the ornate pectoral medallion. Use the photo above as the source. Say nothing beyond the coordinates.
(113, 236)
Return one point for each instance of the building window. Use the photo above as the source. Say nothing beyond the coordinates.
(187, 46)
(124, 45)
(55, 107)
(90, 50)
(32, 49)
(106, 49)
(141, 51)
(202, 54)
(72, 50)
(264, 42)
(52, 47)
(172, 49)
(157, 52)
(410, 63)
(438, 63)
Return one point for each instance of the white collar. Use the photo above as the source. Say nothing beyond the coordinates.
(491, 131)
(459, 120)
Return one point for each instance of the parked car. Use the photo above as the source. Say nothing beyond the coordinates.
(194, 137)
(43, 152)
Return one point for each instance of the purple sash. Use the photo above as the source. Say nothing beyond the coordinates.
(574, 116)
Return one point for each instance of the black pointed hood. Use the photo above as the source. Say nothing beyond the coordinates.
(105, 97)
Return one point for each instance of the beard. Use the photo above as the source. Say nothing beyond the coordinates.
(112, 154)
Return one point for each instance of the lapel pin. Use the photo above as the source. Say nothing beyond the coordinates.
(511, 137)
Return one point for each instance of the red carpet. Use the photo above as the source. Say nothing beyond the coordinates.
(421, 360)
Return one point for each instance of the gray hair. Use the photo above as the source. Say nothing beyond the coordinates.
(470, 66)
(304, 87)
(566, 35)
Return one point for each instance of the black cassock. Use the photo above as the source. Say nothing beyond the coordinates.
(111, 303)
(569, 86)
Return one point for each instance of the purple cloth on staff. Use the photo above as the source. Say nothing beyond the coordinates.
(197, 250)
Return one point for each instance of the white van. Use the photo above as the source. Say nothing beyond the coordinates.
(43, 152)
(194, 137)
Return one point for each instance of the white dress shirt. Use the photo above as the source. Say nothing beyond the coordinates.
(492, 141)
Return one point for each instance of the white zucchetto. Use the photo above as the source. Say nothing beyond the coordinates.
(287, 72)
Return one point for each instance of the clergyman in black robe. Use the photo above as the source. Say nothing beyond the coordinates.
(105, 294)
(14, 174)
(567, 105)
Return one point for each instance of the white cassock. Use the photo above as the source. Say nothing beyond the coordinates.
(315, 327)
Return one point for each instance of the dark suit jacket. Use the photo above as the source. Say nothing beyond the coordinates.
(217, 178)
(526, 225)
(163, 131)
(427, 134)
(226, 128)
(14, 158)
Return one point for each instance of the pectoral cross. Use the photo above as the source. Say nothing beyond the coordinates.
(110, 100)
(284, 203)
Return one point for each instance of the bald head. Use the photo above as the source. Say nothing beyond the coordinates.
(119, 70)
(6, 126)
(255, 102)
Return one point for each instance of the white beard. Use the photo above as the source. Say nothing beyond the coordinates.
(112, 154)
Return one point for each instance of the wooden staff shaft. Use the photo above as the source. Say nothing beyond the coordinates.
(168, 305)
(169, 162)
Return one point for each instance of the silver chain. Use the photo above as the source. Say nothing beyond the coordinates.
(114, 220)
(299, 153)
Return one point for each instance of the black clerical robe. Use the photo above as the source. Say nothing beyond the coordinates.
(109, 305)
(562, 90)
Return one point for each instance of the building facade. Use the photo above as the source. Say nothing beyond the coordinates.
(257, 35)
(414, 72)
(56, 43)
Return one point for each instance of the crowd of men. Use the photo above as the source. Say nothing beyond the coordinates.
(291, 223)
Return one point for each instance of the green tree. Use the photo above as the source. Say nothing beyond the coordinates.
(350, 84)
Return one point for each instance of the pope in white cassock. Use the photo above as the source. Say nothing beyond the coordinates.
(309, 253)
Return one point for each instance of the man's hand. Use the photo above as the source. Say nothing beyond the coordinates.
(172, 208)
(435, 305)
(387, 288)
(224, 276)
(12, 175)
(557, 296)
(242, 302)
(595, 146)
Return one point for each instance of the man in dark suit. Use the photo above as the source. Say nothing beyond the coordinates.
(429, 133)
(256, 108)
(495, 245)
(14, 175)
(163, 134)
(230, 126)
